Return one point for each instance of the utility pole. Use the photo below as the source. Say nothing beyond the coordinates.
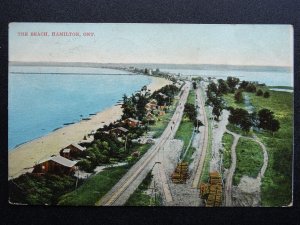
(125, 143)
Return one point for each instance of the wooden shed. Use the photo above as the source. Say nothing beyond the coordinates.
(56, 165)
(72, 151)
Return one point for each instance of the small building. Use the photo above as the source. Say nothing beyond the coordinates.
(132, 122)
(150, 117)
(119, 131)
(161, 113)
(151, 105)
(72, 151)
(163, 95)
(56, 165)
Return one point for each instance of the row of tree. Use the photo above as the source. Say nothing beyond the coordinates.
(264, 119)
(107, 146)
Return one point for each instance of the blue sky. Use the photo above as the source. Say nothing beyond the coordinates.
(155, 43)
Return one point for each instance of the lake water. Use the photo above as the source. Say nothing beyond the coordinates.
(42, 99)
(270, 78)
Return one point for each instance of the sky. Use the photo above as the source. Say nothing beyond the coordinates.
(270, 45)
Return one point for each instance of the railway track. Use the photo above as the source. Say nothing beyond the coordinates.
(197, 174)
(119, 194)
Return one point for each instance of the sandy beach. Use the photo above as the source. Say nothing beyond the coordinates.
(26, 155)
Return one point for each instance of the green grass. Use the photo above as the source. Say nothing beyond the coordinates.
(230, 101)
(192, 97)
(185, 131)
(140, 197)
(188, 156)
(277, 183)
(235, 129)
(94, 188)
(249, 159)
(205, 172)
(227, 140)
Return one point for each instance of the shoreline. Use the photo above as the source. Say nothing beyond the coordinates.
(27, 154)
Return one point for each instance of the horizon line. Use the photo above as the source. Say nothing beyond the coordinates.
(190, 64)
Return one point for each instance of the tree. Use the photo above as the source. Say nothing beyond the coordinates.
(259, 92)
(251, 87)
(223, 86)
(238, 96)
(267, 121)
(194, 85)
(190, 111)
(266, 94)
(232, 82)
(274, 126)
(244, 84)
(265, 116)
(241, 117)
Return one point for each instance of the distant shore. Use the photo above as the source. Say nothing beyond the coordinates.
(23, 157)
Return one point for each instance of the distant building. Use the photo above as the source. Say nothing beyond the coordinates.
(119, 131)
(72, 151)
(163, 95)
(56, 165)
(152, 104)
(132, 122)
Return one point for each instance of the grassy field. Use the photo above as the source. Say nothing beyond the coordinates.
(205, 172)
(140, 198)
(227, 140)
(94, 188)
(277, 182)
(230, 101)
(185, 131)
(249, 159)
(206, 166)
(192, 97)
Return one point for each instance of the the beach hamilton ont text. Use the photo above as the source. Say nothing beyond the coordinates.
(56, 34)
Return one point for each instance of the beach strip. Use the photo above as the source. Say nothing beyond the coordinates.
(26, 155)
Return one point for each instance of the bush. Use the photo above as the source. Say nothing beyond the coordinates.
(259, 92)
(266, 94)
(85, 165)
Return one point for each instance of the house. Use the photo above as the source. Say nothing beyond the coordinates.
(56, 165)
(132, 122)
(163, 95)
(151, 105)
(72, 151)
(161, 113)
(119, 131)
(150, 117)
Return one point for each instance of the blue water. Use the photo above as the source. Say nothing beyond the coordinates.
(40, 102)
(270, 78)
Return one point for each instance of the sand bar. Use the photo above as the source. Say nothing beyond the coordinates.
(26, 155)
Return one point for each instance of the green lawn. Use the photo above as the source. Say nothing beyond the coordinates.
(278, 177)
(205, 172)
(206, 166)
(140, 197)
(192, 97)
(249, 159)
(94, 188)
(230, 101)
(185, 131)
(277, 183)
(227, 140)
